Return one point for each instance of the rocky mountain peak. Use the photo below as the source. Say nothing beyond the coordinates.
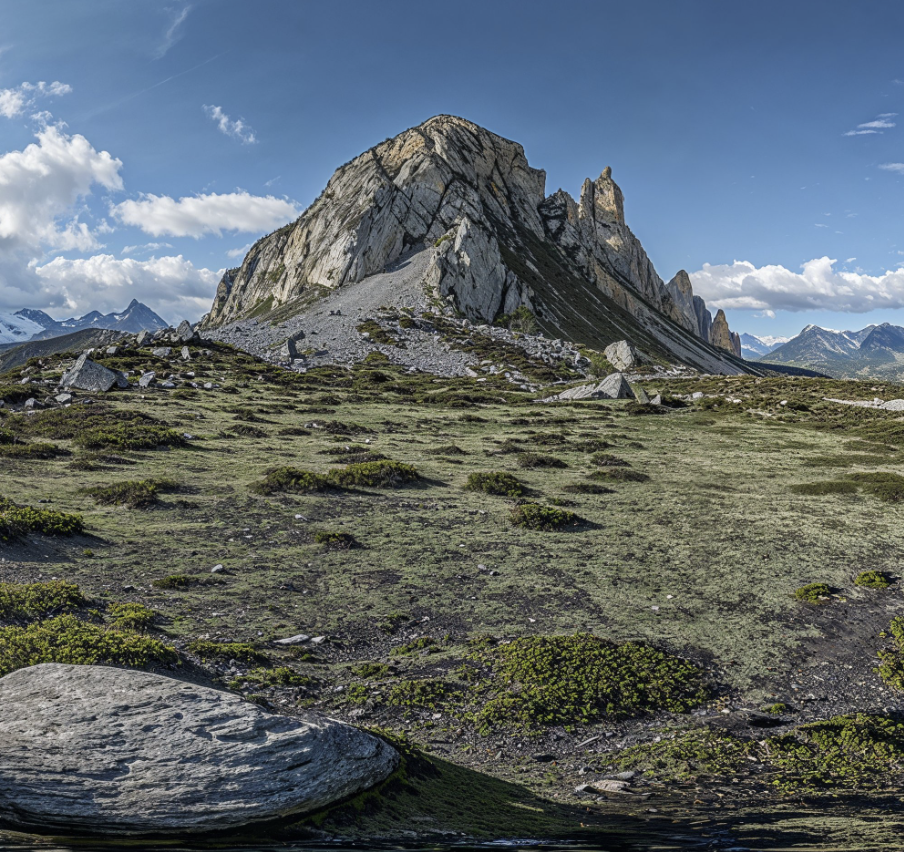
(469, 198)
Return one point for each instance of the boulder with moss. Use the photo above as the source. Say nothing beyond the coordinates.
(108, 751)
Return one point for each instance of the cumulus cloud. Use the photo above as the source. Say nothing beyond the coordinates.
(195, 216)
(173, 31)
(237, 129)
(40, 185)
(14, 102)
(818, 286)
(106, 283)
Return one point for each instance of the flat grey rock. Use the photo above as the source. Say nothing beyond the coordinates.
(614, 386)
(622, 355)
(117, 752)
(87, 375)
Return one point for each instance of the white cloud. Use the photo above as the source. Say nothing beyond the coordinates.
(819, 286)
(877, 125)
(145, 247)
(173, 33)
(237, 129)
(893, 167)
(238, 252)
(40, 185)
(160, 215)
(820, 225)
(105, 283)
(860, 132)
(14, 102)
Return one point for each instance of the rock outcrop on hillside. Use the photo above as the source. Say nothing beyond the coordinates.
(111, 751)
(496, 242)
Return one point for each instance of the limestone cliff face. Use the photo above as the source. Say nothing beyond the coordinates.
(723, 337)
(496, 242)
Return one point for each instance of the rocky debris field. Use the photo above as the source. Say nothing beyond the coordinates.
(589, 611)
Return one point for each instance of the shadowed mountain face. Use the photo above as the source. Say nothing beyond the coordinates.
(494, 243)
(876, 351)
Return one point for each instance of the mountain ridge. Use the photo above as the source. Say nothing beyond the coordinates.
(30, 324)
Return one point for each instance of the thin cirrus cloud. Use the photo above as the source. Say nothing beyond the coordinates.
(818, 286)
(893, 167)
(237, 128)
(14, 102)
(198, 215)
(877, 125)
(173, 32)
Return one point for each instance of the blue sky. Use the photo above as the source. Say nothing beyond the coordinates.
(757, 139)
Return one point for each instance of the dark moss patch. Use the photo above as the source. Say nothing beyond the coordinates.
(280, 677)
(820, 489)
(608, 460)
(376, 474)
(333, 540)
(291, 480)
(619, 474)
(136, 494)
(586, 488)
(496, 482)
(425, 644)
(174, 581)
(888, 487)
(242, 652)
(535, 460)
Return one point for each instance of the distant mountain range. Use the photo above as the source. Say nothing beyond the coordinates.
(755, 347)
(874, 352)
(29, 324)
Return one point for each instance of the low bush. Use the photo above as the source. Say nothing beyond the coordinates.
(377, 474)
(333, 540)
(619, 474)
(608, 460)
(291, 480)
(31, 451)
(533, 516)
(534, 460)
(552, 680)
(242, 652)
(136, 494)
(446, 450)
(17, 521)
(66, 639)
(586, 488)
(872, 580)
(131, 616)
(424, 644)
(370, 671)
(24, 601)
(424, 694)
(814, 593)
(496, 482)
(279, 677)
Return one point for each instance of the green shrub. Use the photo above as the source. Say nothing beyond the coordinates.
(599, 364)
(21, 601)
(891, 668)
(872, 580)
(425, 694)
(279, 677)
(425, 643)
(814, 593)
(137, 494)
(31, 451)
(371, 670)
(15, 394)
(608, 460)
(243, 652)
(66, 639)
(553, 680)
(378, 474)
(335, 540)
(17, 521)
(291, 480)
(446, 450)
(533, 460)
(776, 709)
(533, 516)
(619, 474)
(586, 488)
(521, 320)
(819, 489)
(174, 581)
(496, 482)
(636, 409)
(131, 616)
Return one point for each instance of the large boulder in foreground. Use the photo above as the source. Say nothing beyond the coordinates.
(614, 386)
(111, 751)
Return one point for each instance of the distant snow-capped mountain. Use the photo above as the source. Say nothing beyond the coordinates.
(30, 324)
(15, 328)
(876, 351)
(753, 347)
